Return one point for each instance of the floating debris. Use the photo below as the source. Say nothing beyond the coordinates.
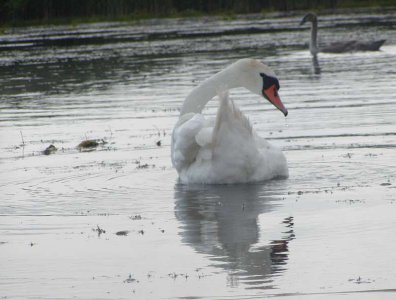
(360, 280)
(158, 143)
(122, 232)
(371, 155)
(130, 279)
(90, 144)
(141, 232)
(386, 183)
(144, 166)
(348, 155)
(136, 217)
(51, 149)
(99, 230)
(351, 201)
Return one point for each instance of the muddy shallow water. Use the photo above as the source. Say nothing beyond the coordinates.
(112, 222)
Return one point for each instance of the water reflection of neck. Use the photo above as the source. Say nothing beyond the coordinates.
(316, 65)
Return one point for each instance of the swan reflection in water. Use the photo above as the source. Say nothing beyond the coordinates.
(222, 221)
(315, 63)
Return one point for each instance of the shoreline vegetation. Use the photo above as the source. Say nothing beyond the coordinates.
(17, 13)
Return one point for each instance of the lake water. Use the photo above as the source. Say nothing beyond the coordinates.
(114, 223)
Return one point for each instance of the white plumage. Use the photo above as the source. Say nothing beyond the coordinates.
(224, 149)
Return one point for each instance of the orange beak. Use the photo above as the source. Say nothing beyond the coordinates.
(271, 94)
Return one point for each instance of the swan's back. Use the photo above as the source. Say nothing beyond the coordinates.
(352, 46)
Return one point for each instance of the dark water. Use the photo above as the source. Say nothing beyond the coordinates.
(327, 230)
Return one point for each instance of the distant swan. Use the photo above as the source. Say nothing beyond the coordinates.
(226, 149)
(337, 47)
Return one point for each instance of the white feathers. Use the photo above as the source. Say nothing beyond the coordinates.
(184, 145)
(204, 136)
(229, 114)
(224, 150)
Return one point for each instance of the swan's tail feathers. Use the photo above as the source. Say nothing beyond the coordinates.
(229, 118)
(375, 46)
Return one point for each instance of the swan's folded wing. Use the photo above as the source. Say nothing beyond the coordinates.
(340, 47)
(184, 143)
(231, 121)
(204, 136)
(235, 154)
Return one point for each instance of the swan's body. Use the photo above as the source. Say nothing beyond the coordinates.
(337, 47)
(226, 149)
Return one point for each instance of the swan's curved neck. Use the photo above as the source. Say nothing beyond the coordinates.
(203, 93)
(313, 47)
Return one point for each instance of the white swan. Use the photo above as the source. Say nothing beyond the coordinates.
(226, 149)
(337, 47)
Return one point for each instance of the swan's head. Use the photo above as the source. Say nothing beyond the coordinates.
(261, 80)
(309, 17)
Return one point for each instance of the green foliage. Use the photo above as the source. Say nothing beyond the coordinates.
(45, 11)
(367, 3)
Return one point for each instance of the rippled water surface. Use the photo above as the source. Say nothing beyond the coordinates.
(114, 223)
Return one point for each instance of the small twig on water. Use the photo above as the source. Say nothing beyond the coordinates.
(23, 141)
(158, 131)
